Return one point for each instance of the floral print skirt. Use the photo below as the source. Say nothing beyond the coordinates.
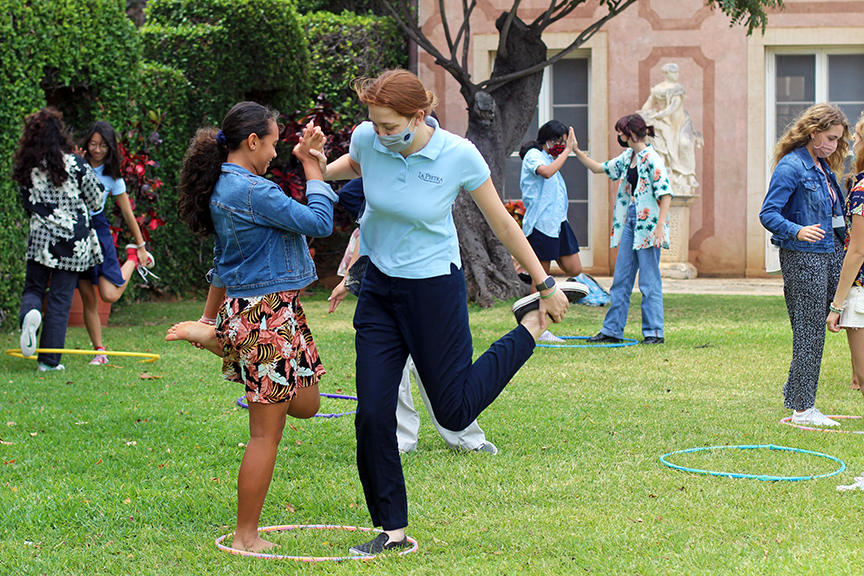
(268, 346)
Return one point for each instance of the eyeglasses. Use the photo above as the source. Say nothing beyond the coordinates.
(100, 146)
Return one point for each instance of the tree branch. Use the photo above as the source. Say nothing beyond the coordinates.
(409, 24)
(446, 27)
(493, 84)
(505, 28)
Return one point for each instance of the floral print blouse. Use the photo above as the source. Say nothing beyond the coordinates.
(60, 235)
(855, 206)
(652, 183)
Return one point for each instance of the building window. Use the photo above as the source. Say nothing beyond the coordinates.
(803, 77)
(563, 97)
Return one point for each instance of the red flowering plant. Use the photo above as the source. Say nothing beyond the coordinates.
(516, 209)
(141, 186)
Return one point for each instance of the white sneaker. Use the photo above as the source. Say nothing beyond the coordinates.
(813, 417)
(40, 367)
(99, 359)
(32, 321)
(548, 338)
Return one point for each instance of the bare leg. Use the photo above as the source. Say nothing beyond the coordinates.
(266, 423)
(111, 293)
(856, 347)
(571, 265)
(531, 321)
(196, 333)
(91, 312)
(305, 403)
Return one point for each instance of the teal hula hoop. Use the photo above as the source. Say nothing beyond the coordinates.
(755, 476)
(624, 342)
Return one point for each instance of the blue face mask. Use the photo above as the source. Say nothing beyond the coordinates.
(398, 142)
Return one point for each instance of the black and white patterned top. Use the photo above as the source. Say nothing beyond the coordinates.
(60, 235)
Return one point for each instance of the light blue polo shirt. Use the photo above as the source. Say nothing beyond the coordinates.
(112, 186)
(408, 229)
(545, 199)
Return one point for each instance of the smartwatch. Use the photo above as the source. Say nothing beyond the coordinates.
(549, 282)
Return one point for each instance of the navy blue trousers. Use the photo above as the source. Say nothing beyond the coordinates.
(56, 319)
(428, 319)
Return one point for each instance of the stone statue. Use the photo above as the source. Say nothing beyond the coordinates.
(675, 138)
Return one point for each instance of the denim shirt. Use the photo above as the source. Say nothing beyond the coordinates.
(260, 232)
(797, 197)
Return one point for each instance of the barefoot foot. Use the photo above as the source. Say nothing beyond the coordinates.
(197, 333)
(255, 544)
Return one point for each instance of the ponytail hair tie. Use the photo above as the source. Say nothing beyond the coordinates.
(220, 138)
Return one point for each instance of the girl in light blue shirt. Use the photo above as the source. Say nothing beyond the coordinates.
(544, 194)
(112, 278)
(413, 298)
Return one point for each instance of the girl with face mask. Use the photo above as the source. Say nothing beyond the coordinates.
(413, 296)
(544, 194)
(639, 229)
(804, 211)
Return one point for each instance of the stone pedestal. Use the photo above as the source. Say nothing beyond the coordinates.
(674, 262)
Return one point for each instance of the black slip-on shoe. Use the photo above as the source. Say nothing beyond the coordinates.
(377, 546)
(601, 338)
(573, 290)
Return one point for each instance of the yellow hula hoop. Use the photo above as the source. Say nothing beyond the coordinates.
(149, 356)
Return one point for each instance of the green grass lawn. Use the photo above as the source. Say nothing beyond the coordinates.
(131, 468)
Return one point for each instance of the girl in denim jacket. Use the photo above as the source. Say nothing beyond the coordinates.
(804, 210)
(263, 261)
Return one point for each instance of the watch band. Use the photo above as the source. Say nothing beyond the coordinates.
(549, 282)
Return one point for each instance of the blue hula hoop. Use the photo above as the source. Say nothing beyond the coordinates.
(624, 342)
(755, 476)
(242, 404)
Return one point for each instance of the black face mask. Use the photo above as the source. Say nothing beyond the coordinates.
(622, 142)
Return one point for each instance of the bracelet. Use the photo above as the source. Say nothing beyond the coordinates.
(835, 310)
(208, 321)
(141, 245)
(550, 293)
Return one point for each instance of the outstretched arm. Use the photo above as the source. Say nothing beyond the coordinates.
(511, 235)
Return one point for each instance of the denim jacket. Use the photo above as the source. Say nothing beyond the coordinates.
(260, 239)
(797, 197)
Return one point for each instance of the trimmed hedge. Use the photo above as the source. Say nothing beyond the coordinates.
(231, 50)
(81, 56)
(345, 46)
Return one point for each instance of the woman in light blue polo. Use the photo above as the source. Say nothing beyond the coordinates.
(639, 229)
(544, 194)
(413, 297)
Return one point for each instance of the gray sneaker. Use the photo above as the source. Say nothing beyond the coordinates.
(487, 447)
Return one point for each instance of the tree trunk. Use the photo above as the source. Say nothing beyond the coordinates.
(496, 124)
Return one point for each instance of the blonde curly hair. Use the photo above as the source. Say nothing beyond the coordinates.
(817, 118)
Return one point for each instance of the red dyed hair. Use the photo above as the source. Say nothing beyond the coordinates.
(399, 90)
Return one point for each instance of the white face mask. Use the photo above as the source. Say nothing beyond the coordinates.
(398, 142)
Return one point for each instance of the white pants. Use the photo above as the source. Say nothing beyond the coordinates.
(408, 421)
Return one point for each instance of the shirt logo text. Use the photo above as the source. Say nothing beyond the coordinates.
(431, 178)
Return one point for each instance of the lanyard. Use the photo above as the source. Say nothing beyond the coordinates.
(831, 193)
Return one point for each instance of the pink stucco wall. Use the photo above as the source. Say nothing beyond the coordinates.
(713, 61)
